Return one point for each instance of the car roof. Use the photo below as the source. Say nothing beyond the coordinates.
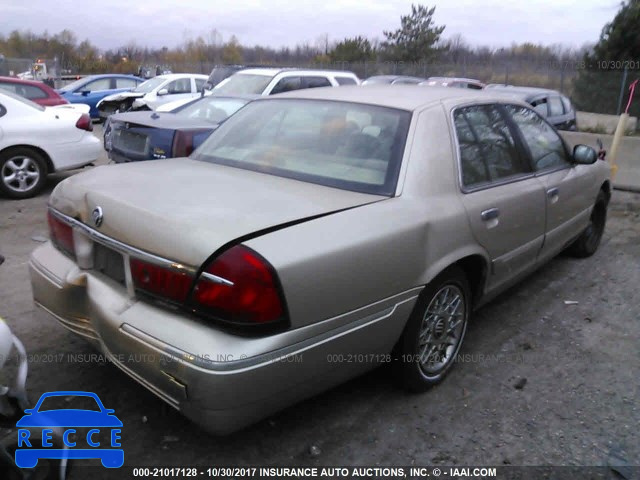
(523, 92)
(171, 76)
(275, 71)
(454, 79)
(110, 75)
(404, 97)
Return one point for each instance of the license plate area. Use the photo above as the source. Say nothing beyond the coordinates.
(109, 263)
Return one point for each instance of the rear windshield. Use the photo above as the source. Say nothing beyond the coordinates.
(338, 144)
(244, 84)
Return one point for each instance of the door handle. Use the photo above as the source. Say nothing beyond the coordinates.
(490, 214)
(553, 192)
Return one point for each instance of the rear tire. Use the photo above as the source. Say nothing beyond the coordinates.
(589, 241)
(434, 333)
(23, 172)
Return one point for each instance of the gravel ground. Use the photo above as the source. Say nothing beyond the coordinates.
(539, 382)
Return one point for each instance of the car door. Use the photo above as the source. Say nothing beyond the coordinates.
(91, 93)
(505, 203)
(568, 187)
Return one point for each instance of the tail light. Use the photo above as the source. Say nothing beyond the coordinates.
(239, 287)
(183, 142)
(84, 123)
(61, 234)
(165, 283)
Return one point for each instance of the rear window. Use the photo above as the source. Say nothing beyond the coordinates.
(346, 81)
(212, 109)
(338, 144)
(28, 91)
(23, 100)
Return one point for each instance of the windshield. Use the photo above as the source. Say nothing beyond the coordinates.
(149, 85)
(338, 144)
(244, 84)
(212, 109)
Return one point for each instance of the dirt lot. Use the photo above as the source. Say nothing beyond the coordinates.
(579, 405)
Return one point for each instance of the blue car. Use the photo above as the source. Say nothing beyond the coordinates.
(33, 446)
(93, 88)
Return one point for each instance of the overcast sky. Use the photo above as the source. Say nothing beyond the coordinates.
(287, 22)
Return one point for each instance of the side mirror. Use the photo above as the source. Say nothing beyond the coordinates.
(85, 92)
(584, 155)
(163, 91)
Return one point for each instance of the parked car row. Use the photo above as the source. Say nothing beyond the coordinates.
(321, 223)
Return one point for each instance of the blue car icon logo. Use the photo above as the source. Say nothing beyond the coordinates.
(100, 439)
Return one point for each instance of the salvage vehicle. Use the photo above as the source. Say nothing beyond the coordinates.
(91, 89)
(153, 93)
(36, 141)
(269, 81)
(35, 91)
(314, 236)
(551, 104)
(135, 136)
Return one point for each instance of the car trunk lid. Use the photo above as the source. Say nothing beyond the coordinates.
(184, 210)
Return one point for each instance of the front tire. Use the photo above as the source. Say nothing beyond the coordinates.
(434, 333)
(589, 241)
(23, 172)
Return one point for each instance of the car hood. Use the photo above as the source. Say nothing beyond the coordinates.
(160, 120)
(117, 97)
(184, 209)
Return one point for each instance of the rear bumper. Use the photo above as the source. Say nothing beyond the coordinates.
(223, 382)
(75, 155)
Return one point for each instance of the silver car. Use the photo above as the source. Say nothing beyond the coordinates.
(311, 238)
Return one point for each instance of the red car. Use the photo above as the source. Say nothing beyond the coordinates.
(37, 92)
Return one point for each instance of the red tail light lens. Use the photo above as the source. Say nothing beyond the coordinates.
(84, 123)
(61, 234)
(253, 297)
(183, 142)
(166, 283)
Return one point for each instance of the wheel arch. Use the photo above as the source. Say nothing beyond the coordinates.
(606, 188)
(40, 151)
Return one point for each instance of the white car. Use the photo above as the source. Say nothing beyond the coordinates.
(269, 81)
(36, 141)
(153, 93)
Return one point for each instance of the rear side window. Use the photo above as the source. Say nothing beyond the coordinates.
(3, 110)
(346, 81)
(555, 107)
(488, 151)
(126, 83)
(540, 106)
(97, 85)
(314, 82)
(546, 146)
(287, 84)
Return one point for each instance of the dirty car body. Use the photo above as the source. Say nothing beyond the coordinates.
(311, 238)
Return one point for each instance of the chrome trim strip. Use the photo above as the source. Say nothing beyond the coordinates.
(129, 251)
(258, 361)
(215, 279)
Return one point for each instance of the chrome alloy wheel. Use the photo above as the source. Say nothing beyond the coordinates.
(20, 173)
(442, 329)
